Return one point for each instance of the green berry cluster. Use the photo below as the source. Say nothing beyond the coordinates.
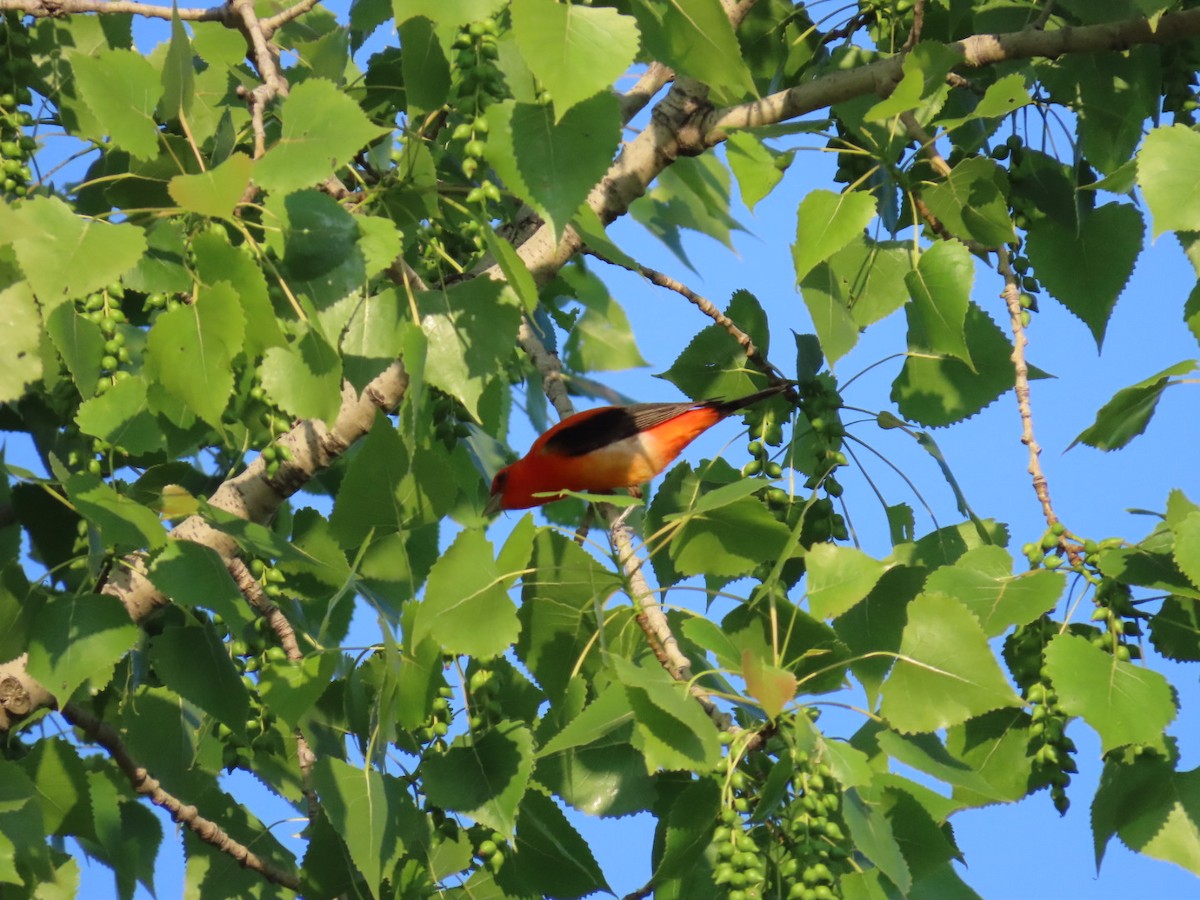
(1119, 617)
(821, 403)
(16, 70)
(1180, 63)
(1051, 749)
(483, 697)
(433, 732)
(741, 866)
(815, 832)
(104, 309)
(271, 579)
(490, 847)
(450, 419)
(475, 83)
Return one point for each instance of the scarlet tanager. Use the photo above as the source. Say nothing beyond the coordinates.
(601, 450)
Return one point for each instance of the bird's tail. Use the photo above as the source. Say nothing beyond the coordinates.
(728, 407)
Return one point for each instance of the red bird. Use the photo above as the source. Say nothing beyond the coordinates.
(601, 450)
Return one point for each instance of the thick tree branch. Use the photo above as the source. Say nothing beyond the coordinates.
(42, 9)
(144, 783)
(977, 51)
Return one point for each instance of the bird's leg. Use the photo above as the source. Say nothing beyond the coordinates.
(636, 493)
(585, 524)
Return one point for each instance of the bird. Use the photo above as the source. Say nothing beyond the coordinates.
(610, 447)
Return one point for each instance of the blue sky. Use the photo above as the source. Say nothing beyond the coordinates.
(1012, 852)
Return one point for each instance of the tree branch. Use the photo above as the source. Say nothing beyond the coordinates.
(977, 51)
(41, 9)
(144, 783)
(705, 306)
(1012, 299)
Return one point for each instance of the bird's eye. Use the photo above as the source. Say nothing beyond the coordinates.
(499, 481)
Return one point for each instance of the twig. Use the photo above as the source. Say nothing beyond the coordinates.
(705, 306)
(273, 84)
(272, 23)
(1043, 17)
(1012, 299)
(928, 146)
(279, 623)
(914, 33)
(145, 784)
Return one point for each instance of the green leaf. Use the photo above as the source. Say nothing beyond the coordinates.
(122, 417)
(689, 828)
(1001, 97)
(695, 39)
(694, 193)
(1087, 271)
(996, 746)
(602, 340)
(374, 336)
(940, 287)
(217, 260)
(553, 165)
(322, 128)
(193, 576)
(827, 222)
(839, 578)
(939, 391)
(551, 857)
(603, 715)
(466, 607)
(1175, 629)
(373, 814)
(713, 365)
(79, 343)
(729, 541)
(55, 767)
(305, 378)
(124, 523)
(576, 51)
(774, 688)
(193, 662)
(1169, 175)
(1154, 809)
(923, 87)
(64, 255)
(191, 348)
(972, 203)
(758, 168)
(516, 273)
(926, 753)
(447, 13)
(471, 329)
(1187, 546)
(122, 89)
(322, 258)
(1129, 411)
(425, 67)
(178, 73)
(483, 776)
(945, 672)
(216, 192)
(982, 580)
(1126, 704)
(290, 689)
(75, 639)
(20, 361)
(671, 729)
(872, 834)
(859, 285)
(1116, 94)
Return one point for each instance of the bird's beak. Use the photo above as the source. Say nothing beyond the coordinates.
(494, 504)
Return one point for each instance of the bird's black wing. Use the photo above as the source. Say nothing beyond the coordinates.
(610, 425)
